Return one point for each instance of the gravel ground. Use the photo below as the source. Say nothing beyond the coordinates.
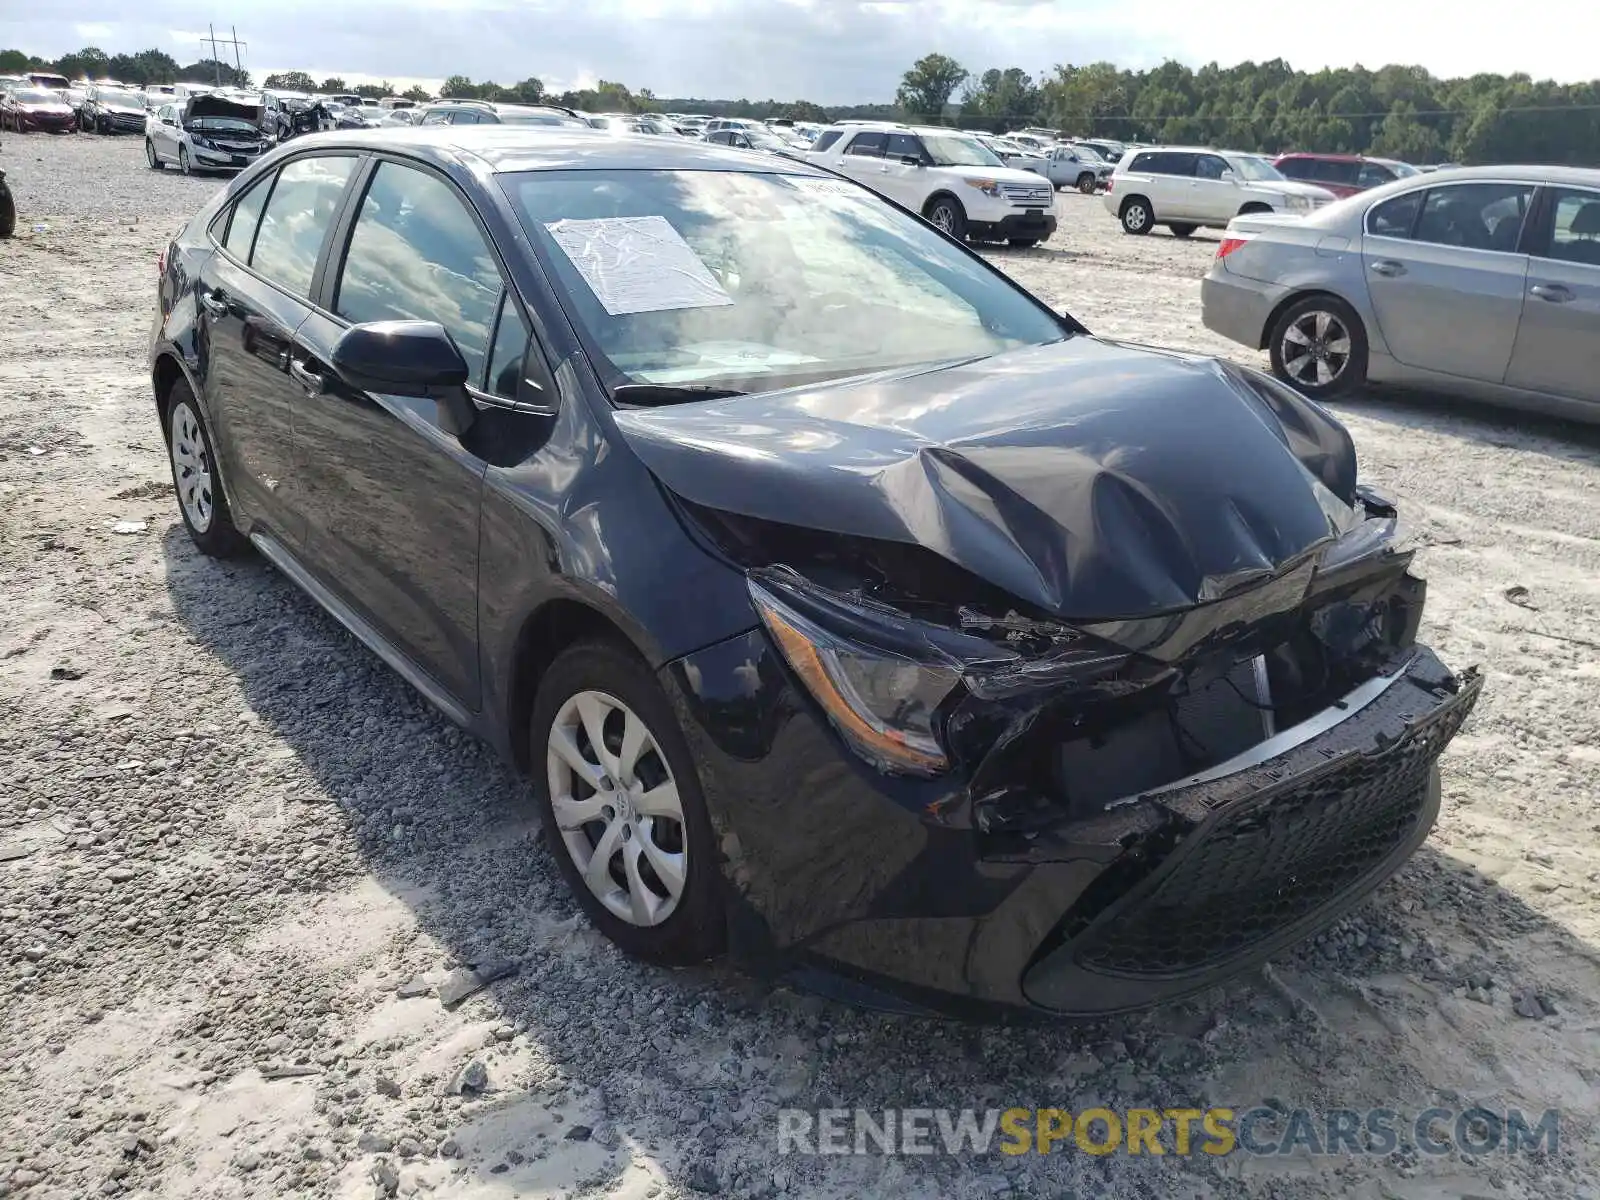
(240, 859)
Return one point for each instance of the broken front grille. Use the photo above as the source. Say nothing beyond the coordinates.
(1261, 867)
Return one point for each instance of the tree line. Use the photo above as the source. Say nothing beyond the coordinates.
(1396, 111)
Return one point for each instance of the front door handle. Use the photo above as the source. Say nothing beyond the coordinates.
(214, 304)
(1556, 293)
(314, 384)
(1388, 266)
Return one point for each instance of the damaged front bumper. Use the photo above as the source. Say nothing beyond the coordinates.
(891, 891)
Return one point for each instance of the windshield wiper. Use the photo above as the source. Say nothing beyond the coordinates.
(670, 393)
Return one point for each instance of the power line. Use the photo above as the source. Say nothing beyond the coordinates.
(1354, 116)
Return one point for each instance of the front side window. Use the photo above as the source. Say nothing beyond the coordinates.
(435, 117)
(1209, 166)
(903, 145)
(754, 281)
(867, 145)
(1575, 232)
(417, 254)
(298, 215)
(1475, 216)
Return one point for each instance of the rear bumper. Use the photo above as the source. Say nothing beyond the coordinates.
(1037, 225)
(881, 891)
(1237, 308)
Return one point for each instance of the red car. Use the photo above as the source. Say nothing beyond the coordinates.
(26, 109)
(1342, 174)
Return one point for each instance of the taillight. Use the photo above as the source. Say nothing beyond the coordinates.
(1111, 182)
(1229, 245)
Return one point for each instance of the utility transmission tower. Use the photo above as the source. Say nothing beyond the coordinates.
(216, 56)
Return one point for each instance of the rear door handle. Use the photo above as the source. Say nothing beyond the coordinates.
(314, 384)
(1388, 266)
(1556, 293)
(214, 304)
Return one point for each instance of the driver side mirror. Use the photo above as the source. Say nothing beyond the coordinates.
(408, 358)
(910, 160)
(1228, 176)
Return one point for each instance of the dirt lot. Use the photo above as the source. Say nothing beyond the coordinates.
(232, 844)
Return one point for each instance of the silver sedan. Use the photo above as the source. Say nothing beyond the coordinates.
(1484, 281)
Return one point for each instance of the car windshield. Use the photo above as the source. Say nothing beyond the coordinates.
(540, 119)
(35, 96)
(755, 281)
(1254, 168)
(1403, 170)
(766, 141)
(1093, 153)
(112, 96)
(947, 150)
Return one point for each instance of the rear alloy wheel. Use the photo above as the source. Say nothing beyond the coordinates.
(1136, 216)
(8, 212)
(1086, 183)
(622, 806)
(195, 477)
(183, 161)
(945, 215)
(150, 155)
(1319, 346)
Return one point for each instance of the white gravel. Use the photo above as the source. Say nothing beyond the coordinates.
(232, 843)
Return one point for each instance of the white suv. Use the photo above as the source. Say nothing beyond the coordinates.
(1183, 188)
(948, 177)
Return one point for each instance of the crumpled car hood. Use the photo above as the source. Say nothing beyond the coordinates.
(1093, 479)
(221, 106)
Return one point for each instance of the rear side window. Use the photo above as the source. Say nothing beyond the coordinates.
(867, 145)
(1475, 216)
(297, 217)
(1395, 218)
(1332, 170)
(1164, 162)
(436, 117)
(246, 216)
(417, 254)
(1295, 168)
(827, 138)
(464, 116)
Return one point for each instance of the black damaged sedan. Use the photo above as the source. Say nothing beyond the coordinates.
(852, 613)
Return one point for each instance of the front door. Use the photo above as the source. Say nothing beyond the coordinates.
(392, 497)
(254, 297)
(1214, 192)
(1558, 342)
(1448, 297)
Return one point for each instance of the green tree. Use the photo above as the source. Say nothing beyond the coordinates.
(15, 62)
(459, 87)
(418, 93)
(1006, 97)
(375, 91)
(292, 81)
(927, 87)
(332, 84)
(798, 110)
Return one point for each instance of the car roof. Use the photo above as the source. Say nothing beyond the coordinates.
(505, 148)
(1330, 157)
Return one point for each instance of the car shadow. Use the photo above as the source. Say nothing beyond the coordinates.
(1490, 425)
(711, 1055)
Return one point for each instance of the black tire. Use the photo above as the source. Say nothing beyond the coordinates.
(216, 537)
(1023, 243)
(150, 155)
(1086, 183)
(8, 213)
(184, 164)
(1349, 369)
(696, 929)
(1137, 216)
(947, 215)
(1181, 231)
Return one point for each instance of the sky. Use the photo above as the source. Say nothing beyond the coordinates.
(827, 51)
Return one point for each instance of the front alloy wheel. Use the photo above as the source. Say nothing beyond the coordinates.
(617, 808)
(183, 160)
(191, 468)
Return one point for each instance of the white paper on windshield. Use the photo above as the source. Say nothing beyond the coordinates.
(638, 264)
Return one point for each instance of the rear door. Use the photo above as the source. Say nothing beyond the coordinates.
(1448, 294)
(254, 296)
(1170, 182)
(1558, 341)
(392, 497)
